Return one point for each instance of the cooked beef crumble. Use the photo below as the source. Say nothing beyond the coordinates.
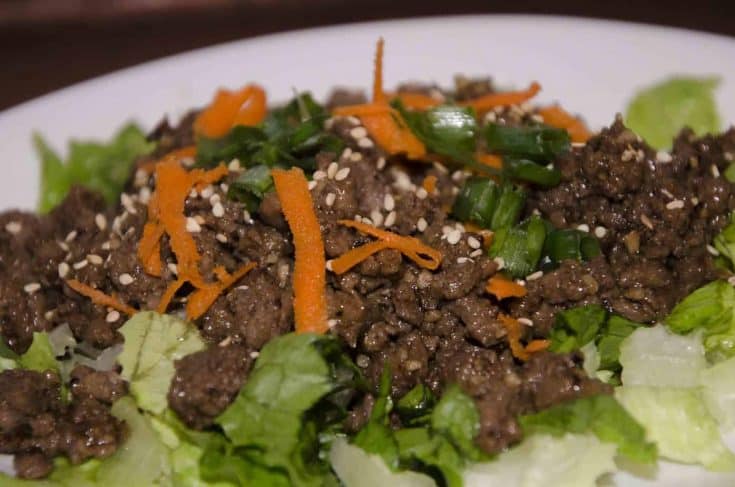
(653, 216)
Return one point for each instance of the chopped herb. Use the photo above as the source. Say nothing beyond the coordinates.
(537, 143)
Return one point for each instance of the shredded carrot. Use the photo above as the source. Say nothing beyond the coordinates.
(100, 298)
(486, 102)
(309, 276)
(382, 122)
(169, 294)
(557, 117)
(201, 299)
(502, 288)
(514, 333)
(417, 101)
(246, 106)
(429, 184)
(411, 247)
(489, 160)
(535, 346)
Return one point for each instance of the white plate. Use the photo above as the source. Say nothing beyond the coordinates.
(591, 66)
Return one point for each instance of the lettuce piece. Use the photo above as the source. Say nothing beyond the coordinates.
(576, 327)
(357, 468)
(152, 343)
(40, 355)
(711, 309)
(601, 415)
(456, 417)
(8, 358)
(64, 475)
(376, 437)
(718, 390)
(104, 167)
(656, 357)
(724, 242)
(659, 112)
(678, 421)
(545, 460)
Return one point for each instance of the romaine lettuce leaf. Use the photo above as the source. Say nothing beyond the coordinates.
(104, 167)
(8, 358)
(40, 355)
(718, 390)
(152, 343)
(544, 460)
(659, 112)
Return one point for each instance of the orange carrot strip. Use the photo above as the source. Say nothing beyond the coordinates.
(489, 160)
(411, 247)
(502, 288)
(557, 117)
(347, 261)
(201, 299)
(169, 294)
(100, 298)
(429, 184)
(149, 249)
(492, 100)
(244, 107)
(417, 101)
(309, 276)
(514, 333)
(535, 346)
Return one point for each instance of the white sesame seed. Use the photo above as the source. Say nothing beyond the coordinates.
(331, 323)
(473, 242)
(221, 238)
(358, 132)
(112, 316)
(365, 143)
(476, 253)
(490, 117)
(193, 193)
(380, 163)
(234, 165)
(199, 219)
(500, 262)
(329, 265)
(675, 205)
(628, 154)
(218, 210)
(63, 270)
(127, 202)
(694, 200)
(357, 218)
(377, 217)
(388, 202)
(224, 187)
(525, 321)
(640, 155)
(254, 354)
(454, 236)
(534, 276)
(366, 220)
(144, 195)
(353, 120)
(207, 192)
(463, 260)
(71, 236)
(728, 156)
(214, 199)
(663, 157)
(401, 180)
(95, 259)
(667, 193)
(712, 250)
(332, 170)
(173, 268)
(457, 176)
(49, 315)
(342, 174)
(583, 228)
(125, 279)
(356, 157)
(329, 123)
(421, 193)
(600, 232)
(346, 154)
(106, 246)
(390, 220)
(421, 224)
(312, 185)
(246, 216)
(80, 265)
(318, 175)
(187, 161)
(715, 171)
(32, 287)
(329, 199)
(192, 226)
(13, 227)
(440, 167)
(63, 246)
(647, 222)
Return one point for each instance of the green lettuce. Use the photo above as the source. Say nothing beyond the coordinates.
(659, 112)
(718, 390)
(152, 343)
(40, 355)
(104, 167)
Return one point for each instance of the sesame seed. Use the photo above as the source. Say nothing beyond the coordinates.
(32, 287)
(640, 155)
(715, 171)
(579, 144)
(312, 185)
(218, 210)
(49, 315)
(667, 193)
(353, 120)
(537, 118)
(534, 276)
(728, 156)
(342, 174)
(95, 259)
(125, 279)
(500, 261)
(63, 270)
(663, 157)
(127, 202)
(675, 205)
(71, 236)
(365, 143)
(362, 361)
(377, 217)
(346, 154)
(390, 220)
(357, 218)
(473, 242)
(80, 265)
(254, 354)
(356, 157)
(63, 246)
(112, 316)
(187, 161)
(422, 224)
(476, 253)
(106, 246)
(318, 175)
(173, 268)
(366, 220)
(329, 123)
(401, 180)
(440, 167)
(246, 216)
(600, 232)
(388, 202)
(192, 226)
(525, 321)
(490, 117)
(358, 132)
(463, 260)
(712, 250)
(628, 154)
(421, 193)
(329, 199)
(207, 192)
(454, 236)
(199, 219)
(144, 195)
(13, 227)
(647, 222)
(234, 165)
(457, 176)
(380, 163)
(331, 323)
(221, 238)
(332, 170)
(329, 265)
(694, 200)
(583, 228)
(214, 199)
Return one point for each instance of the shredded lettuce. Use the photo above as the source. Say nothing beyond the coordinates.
(718, 389)
(40, 355)
(152, 343)
(544, 460)
(104, 167)
(659, 112)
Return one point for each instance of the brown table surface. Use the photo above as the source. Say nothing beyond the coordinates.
(48, 44)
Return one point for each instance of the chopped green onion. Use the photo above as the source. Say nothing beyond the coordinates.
(447, 130)
(532, 172)
(563, 244)
(618, 328)
(508, 207)
(477, 201)
(520, 246)
(251, 186)
(416, 403)
(535, 143)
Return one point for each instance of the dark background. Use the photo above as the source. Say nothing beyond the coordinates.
(48, 44)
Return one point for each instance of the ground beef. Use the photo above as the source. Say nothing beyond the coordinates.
(206, 382)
